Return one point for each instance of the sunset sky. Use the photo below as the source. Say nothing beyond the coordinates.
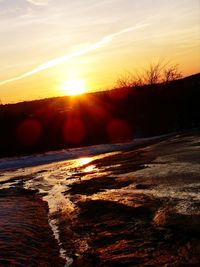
(46, 43)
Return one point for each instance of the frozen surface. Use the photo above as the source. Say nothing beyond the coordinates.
(160, 180)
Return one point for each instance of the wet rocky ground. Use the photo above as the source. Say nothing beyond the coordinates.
(145, 210)
(25, 236)
(137, 207)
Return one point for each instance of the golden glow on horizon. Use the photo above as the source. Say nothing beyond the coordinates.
(74, 87)
(39, 65)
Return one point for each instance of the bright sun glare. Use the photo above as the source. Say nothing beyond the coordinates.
(74, 87)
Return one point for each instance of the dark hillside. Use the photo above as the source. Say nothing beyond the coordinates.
(108, 116)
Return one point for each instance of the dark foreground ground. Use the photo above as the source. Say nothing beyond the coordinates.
(136, 207)
(25, 236)
(147, 217)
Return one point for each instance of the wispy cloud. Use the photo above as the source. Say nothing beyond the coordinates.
(65, 58)
(38, 2)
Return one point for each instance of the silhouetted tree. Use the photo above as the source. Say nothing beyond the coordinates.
(171, 73)
(154, 74)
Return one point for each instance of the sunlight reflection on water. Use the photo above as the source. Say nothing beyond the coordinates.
(165, 177)
(83, 161)
(90, 168)
(52, 182)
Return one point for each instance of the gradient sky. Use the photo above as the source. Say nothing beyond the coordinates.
(44, 43)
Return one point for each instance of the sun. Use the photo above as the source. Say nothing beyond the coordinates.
(74, 87)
